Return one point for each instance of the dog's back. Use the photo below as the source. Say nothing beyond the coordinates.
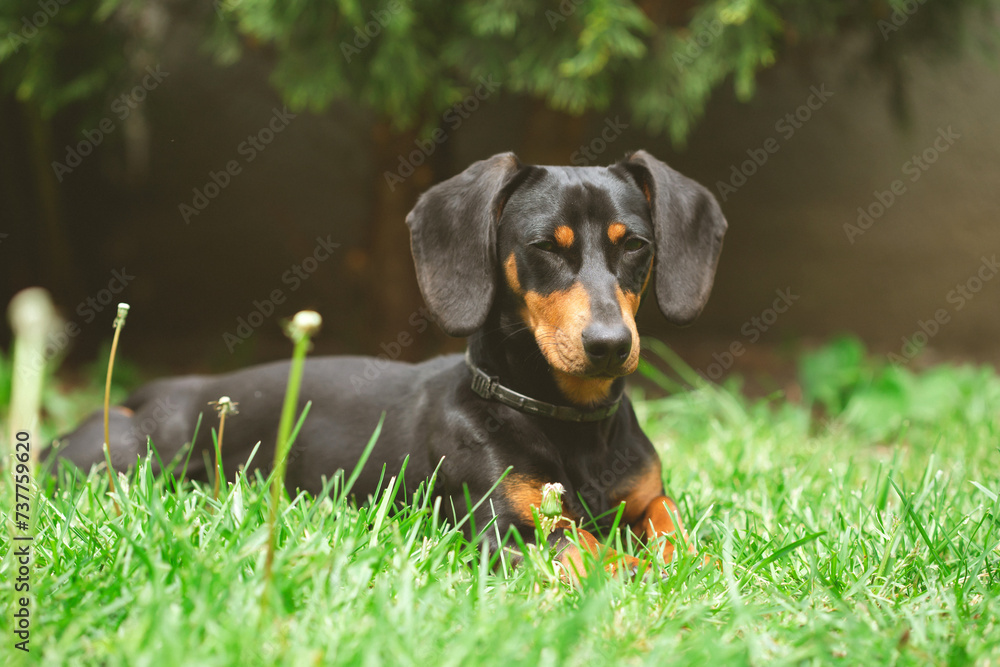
(348, 395)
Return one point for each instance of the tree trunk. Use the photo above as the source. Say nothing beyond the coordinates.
(393, 281)
(57, 268)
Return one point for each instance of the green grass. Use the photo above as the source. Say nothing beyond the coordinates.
(859, 528)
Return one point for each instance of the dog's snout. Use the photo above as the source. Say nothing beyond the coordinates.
(607, 347)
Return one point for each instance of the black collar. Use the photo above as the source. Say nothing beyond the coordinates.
(489, 387)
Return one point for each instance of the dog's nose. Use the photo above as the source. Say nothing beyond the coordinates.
(607, 347)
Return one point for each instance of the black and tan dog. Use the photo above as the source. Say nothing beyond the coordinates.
(542, 268)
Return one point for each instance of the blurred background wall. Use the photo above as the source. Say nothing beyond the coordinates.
(296, 218)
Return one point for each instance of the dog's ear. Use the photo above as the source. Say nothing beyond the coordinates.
(689, 226)
(453, 238)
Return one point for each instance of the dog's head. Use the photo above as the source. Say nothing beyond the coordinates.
(569, 252)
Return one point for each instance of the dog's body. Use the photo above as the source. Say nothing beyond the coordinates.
(542, 268)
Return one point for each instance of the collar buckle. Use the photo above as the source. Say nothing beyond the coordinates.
(483, 384)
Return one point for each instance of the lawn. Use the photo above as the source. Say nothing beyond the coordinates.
(857, 525)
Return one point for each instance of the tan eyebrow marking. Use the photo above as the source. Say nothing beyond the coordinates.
(510, 268)
(564, 236)
(616, 231)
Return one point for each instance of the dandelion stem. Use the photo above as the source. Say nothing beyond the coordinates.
(118, 324)
(303, 326)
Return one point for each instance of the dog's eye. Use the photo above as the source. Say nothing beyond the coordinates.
(545, 246)
(634, 243)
